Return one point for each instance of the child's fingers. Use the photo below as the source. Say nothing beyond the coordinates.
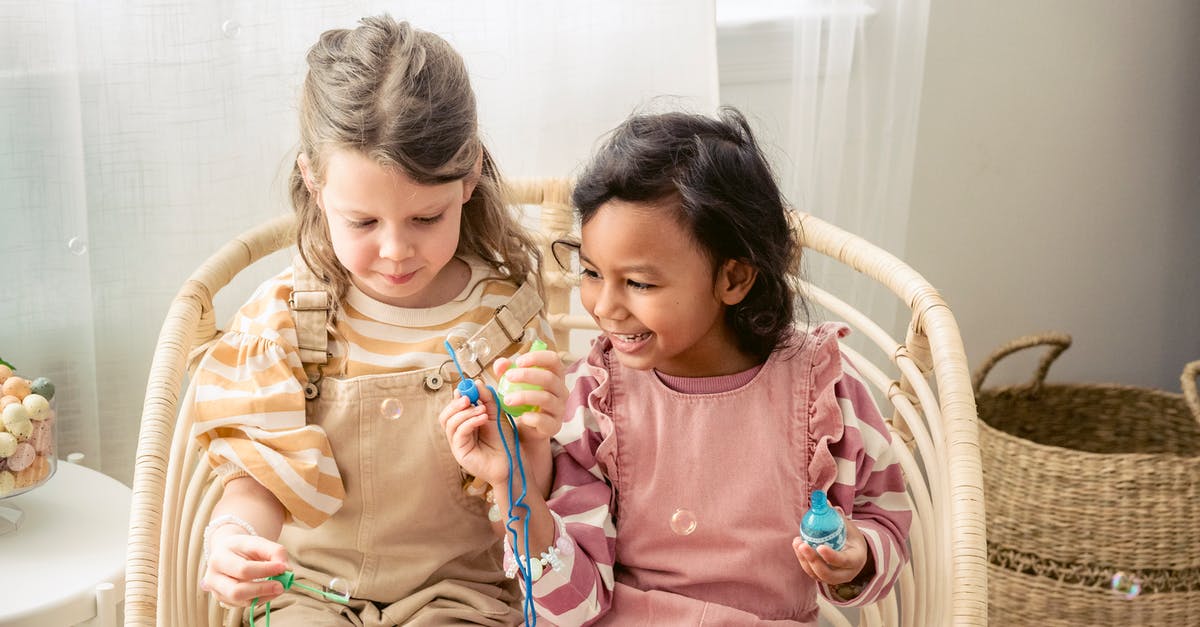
(458, 404)
(501, 365)
(835, 559)
(245, 557)
(544, 401)
(540, 377)
(240, 593)
(488, 398)
(798, 547)
(466, 433)
(546, 360)
(456, 425)
(816, 565)
(544, 424)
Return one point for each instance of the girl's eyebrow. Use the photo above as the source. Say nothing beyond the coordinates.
(431, 209)
(641, 268)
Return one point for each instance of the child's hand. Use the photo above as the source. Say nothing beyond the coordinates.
(235, 560)
(541, 368)
(830, 566)
(474, 436)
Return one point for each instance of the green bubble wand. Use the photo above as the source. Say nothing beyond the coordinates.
(288, 580)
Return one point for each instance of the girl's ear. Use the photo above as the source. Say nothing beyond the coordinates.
(734, 280)
(472, 179)
(306, 172)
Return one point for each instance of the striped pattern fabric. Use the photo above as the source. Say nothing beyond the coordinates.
(249, 387)
(868, 487)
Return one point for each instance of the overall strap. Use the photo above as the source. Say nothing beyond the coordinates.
(507, 327)
(310, 311)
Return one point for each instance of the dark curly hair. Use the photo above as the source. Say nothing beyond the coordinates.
(728, 199)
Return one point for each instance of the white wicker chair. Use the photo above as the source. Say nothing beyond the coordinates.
(945, 584)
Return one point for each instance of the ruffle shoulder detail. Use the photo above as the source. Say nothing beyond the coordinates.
(825, 426)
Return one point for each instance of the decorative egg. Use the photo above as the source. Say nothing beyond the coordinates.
(8, 444)
(13, 413)
(5, 373)
(43, 387)
(41, 469)
(22, 457)
(28, 477)
(37, 406)
(42, 437)
(16, 386)
(22, 429)
(5, 401)
(8, 482)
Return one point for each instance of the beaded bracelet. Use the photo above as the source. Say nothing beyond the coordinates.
(223, 519)
(480, 488)
(552, 558)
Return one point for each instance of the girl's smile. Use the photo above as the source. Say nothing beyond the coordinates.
(400, 279)
(626, 343)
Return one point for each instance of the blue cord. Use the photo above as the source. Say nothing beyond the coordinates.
(467, 388)
(529, 614)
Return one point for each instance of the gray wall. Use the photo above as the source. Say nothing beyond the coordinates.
(1057, 180)
(1057, 175)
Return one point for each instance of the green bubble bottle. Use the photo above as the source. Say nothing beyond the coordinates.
(504, 387)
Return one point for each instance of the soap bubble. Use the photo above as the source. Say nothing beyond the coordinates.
(77, 245)
(457, 338)
(1125, 585)
(391, 408)
(478, 350)
(683, 522)
(339, 588)
(230, 28)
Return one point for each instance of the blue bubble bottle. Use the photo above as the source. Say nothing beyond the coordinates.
(822, 524)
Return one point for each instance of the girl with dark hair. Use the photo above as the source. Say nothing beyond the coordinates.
(702, 420)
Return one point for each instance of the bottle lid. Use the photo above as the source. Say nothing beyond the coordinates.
(820, 502)
(466, 387)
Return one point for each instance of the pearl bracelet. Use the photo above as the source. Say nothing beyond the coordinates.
(223, 519)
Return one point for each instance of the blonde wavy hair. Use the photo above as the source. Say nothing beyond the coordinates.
(402, 97)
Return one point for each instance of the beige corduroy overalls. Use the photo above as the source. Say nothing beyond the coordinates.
(417, 549)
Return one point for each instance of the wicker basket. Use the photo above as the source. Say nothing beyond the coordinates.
(1084, 482)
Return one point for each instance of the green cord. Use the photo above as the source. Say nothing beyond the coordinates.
(288, 579)
(268, 614)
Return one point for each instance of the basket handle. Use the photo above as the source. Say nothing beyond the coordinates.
(1188, 383)
(1057, 342)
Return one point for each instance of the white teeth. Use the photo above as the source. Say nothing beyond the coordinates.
(631, 338)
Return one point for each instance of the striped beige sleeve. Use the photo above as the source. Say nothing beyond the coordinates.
(249, 413)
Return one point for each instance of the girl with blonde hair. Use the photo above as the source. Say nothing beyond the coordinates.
(318, 408)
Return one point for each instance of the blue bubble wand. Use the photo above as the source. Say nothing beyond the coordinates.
(467, 388)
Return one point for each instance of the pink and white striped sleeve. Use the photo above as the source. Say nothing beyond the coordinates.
(580, 502)
(869, 487)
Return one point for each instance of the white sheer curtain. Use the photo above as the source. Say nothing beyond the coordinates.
(137, 136)
(835, 87)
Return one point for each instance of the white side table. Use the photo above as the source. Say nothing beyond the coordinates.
(65, 565)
